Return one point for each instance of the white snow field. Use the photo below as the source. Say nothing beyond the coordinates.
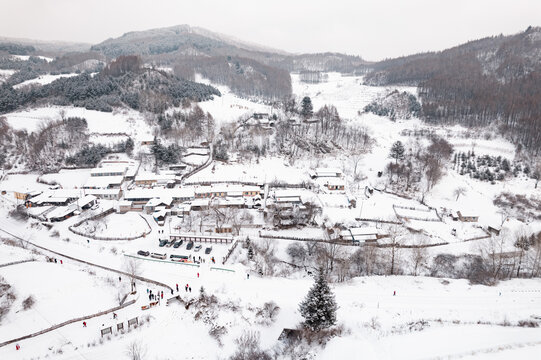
(61, 292)
(123, 121)
(43, 80)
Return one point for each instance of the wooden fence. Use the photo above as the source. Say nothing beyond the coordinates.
(54, 327)
(17, 262)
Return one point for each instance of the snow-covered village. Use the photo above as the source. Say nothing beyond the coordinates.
(177, 193)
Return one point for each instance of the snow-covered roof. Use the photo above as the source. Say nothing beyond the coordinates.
(87, 199)
(111, 169)
(103, 182)
(200, 202)
(61, 211)
(326, 172)
(155, 177)
(467, 213)
(176, 193)
(103, 191)
(167, 200)
(363, 230)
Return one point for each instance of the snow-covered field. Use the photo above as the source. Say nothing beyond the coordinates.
(115, 226)
(229, 107)
(61, 292)
(5, 74)
(43, 80)
(124, 121)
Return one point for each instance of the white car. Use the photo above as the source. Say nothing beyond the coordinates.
(197, 248)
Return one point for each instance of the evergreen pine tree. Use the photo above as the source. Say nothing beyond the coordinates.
(319, 307)
(397, 151)
(307, 108)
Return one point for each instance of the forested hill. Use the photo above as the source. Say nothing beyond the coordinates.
(492, 81)
(249, 70)
(124, 82)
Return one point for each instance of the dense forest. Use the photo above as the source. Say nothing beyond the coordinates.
(245, 77)
(122, 82)
(493, 81)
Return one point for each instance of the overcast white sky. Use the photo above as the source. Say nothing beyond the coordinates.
(373, 29)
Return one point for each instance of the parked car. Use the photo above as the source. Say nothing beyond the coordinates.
(143, 253)
(177, 244)
(197, 248)
(158, 256)
(162, 243)
(170, 243)
(94, 207)
(208, 250)
(189, 246)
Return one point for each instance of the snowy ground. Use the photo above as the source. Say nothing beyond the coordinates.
(43, 80)
(229, 107)
(125, 121)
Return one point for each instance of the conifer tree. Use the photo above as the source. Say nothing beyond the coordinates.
(319, 307)
(307, 108)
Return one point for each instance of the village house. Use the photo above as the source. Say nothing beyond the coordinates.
(119, 170)
(86, 202)
(124, 206)
(154, 203)
(335, 184)
(62, 213)
(104, 182)
(467, 217)
(150, 179)
(360, 235)
(325, 173)
(106, 194)
(147, 140)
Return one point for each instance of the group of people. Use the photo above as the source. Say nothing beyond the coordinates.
(153, 296)
(50, 259)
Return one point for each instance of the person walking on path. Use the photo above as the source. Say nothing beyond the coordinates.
(177, 287)
(190, 288)
(84, 323)
(248, 276)
(198, 275)
(61, 262)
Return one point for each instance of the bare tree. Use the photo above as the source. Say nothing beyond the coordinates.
(355, 158)
(136, 351)
(492, 250)
(133, 268)
(394, 250)
(523, 243)
(459, 191)
(418, 255)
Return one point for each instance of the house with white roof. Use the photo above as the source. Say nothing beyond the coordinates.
(359, 235)
(86, 202)
(104, 182)
(325, 172)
